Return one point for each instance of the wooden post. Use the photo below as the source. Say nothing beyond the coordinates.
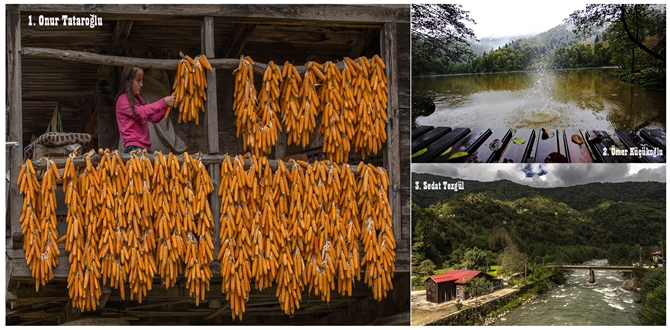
(14, 121)
(211, 115)
(212, 126)
(389, 53)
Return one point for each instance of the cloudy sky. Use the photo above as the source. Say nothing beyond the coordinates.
(517, 18)
(547, 175)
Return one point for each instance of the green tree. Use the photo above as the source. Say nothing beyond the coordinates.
(477, 259)
(439, 31)
(511, 260)
(636, 38)
(599, 15)
(427, 267)
(652, 293)
(475, 288)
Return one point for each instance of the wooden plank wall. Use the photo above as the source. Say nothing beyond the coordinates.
(403, 248)
(15, 121)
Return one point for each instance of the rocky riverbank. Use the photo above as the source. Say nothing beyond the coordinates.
(632, 284)
(501, 316)
(629, 284)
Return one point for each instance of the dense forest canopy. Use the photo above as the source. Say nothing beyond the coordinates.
(439, 31)
(505, 221)
(631, 37)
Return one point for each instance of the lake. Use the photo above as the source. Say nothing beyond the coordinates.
(582, 98)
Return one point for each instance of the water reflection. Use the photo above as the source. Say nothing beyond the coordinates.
(585, 99)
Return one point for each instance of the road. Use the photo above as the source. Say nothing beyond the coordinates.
(424, 312)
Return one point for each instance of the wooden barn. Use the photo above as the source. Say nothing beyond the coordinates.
(451, 285)
(77, 67)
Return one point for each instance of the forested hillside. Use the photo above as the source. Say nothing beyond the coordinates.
(618, 221)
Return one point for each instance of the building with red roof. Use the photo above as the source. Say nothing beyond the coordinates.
(657, 255)
(451, 285)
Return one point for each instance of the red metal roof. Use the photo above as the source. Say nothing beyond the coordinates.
(459, 276)
(657, 253)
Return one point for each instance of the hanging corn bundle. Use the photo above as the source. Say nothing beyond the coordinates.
(371, 95)
(335, 144)
(290, 102)
(189, 87)
(38, 221)
(376, 229)
(268, 126)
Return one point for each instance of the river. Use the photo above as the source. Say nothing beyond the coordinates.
(576, 302)
(582, 98)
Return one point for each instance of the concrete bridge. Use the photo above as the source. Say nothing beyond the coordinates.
(591, 268)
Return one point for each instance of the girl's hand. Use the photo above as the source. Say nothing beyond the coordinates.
(169, 100)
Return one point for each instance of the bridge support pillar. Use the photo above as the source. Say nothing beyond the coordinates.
(592, 276)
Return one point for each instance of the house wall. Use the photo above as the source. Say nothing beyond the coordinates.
(461, 292)
(431, 291)
(440, 292)
(447, 291)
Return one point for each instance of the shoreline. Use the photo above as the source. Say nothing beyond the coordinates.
(499, 317)
(516, 71)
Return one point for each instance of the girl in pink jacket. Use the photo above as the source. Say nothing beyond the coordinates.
(133, 114)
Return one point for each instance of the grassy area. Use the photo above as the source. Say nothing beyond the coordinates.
(493, 271)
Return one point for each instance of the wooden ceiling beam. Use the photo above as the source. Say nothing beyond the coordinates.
(237, 40)
(321, 12)
(363, 43)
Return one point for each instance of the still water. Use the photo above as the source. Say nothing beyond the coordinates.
(583, 99)
(576, 302)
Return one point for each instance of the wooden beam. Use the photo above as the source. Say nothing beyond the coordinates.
(160, 304)
(322, 12)
(80, 161)
(389, 53)
(119, 37)
(14, 120)
(211, 118)
(212, 126)
(69, 313)
(27, 294)
(146, 63)
(8, 273)
(237, 40)
(362, 43)
(92, 58)
(40, 319)
(218, 311)
(21, 271)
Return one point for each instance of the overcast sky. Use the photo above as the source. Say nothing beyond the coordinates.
(547, 175)
(517, 18)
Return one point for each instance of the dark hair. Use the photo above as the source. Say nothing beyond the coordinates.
(126, 86)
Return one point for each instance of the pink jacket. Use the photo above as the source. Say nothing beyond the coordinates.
(136, 132)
